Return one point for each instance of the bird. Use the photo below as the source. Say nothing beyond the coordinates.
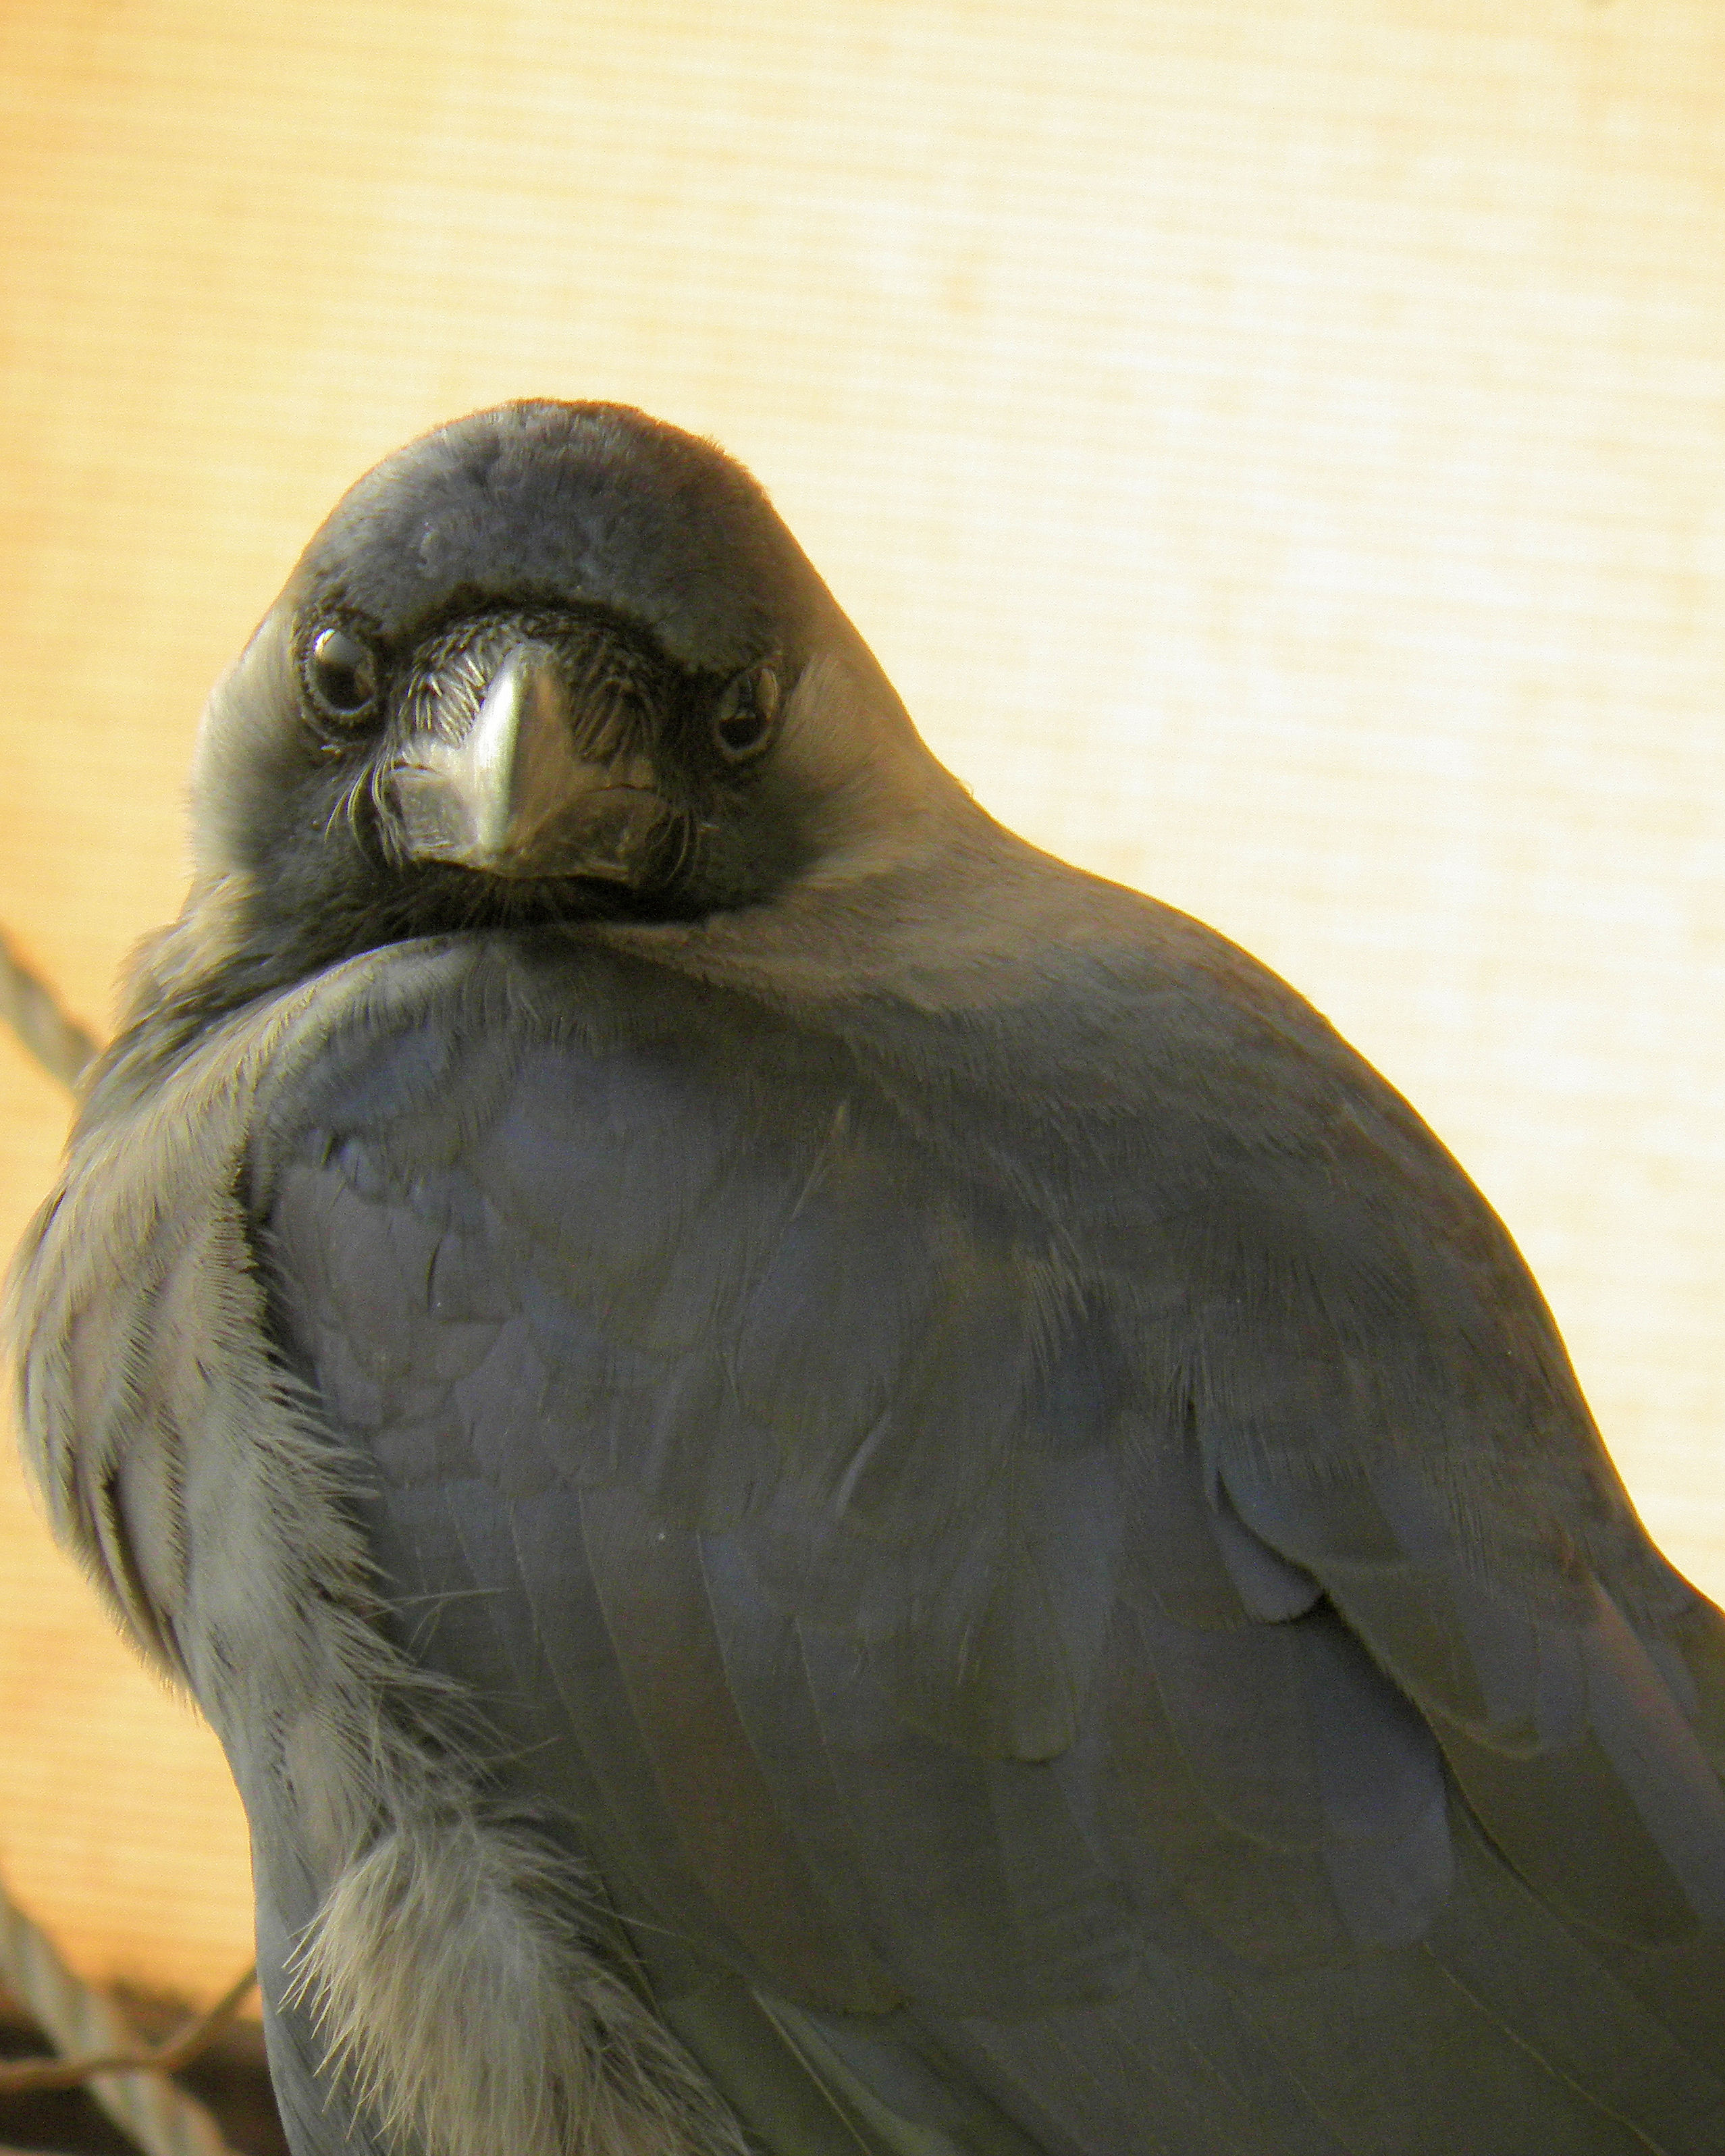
(838, 1490)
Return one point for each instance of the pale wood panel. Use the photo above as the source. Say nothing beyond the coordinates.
(1278, 448)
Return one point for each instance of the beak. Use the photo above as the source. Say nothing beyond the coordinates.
(517, 797)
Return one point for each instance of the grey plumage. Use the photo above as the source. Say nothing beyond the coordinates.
(835, 1487)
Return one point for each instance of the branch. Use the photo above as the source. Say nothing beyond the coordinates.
(22, 2077)
(31, 1008)
(163, 2119)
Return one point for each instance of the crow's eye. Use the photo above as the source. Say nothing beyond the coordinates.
(342, 676)
(742, 724)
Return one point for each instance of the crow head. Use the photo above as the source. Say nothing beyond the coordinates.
(552, 662)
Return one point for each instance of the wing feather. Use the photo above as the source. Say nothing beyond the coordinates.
(1092, 1613)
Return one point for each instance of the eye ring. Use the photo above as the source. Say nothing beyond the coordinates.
(340, 673)
(746, 714)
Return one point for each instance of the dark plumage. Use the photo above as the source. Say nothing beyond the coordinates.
(821, 1473)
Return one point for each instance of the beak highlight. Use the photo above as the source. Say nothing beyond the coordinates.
(515, 797)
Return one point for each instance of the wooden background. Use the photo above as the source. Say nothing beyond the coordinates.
(1278, 447)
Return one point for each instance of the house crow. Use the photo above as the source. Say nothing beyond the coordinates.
(837, 1491)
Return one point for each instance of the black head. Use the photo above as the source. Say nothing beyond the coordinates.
(552, 662)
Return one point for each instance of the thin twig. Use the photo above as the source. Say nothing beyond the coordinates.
(35, 1012)
(163, 2119)
(21, 2076)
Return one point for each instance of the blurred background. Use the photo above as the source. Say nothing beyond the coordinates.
(1276, 446)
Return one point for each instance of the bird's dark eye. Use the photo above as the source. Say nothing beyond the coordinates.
(742, 724)
(342, 675)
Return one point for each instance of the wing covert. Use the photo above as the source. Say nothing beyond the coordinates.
(935, 1609)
